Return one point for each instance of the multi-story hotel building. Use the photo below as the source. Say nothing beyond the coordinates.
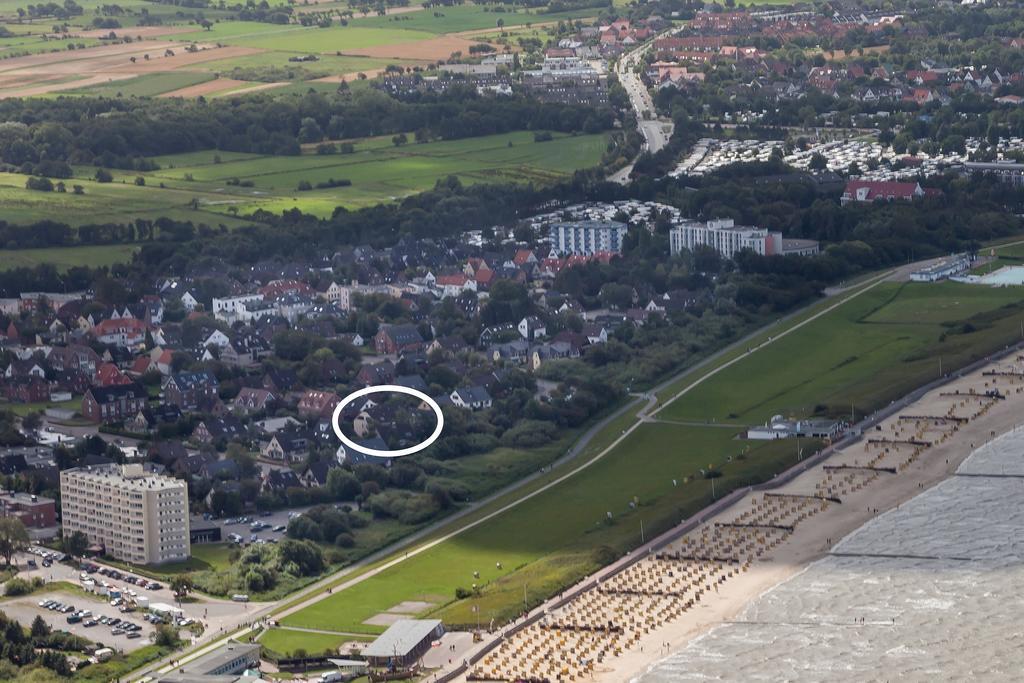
(725, 237)
(588, 237)
(137, 516)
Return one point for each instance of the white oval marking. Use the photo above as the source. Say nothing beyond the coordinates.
(379, 389)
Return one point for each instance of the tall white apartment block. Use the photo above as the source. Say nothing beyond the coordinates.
(137, 516)
(725, 237)
(587, 237)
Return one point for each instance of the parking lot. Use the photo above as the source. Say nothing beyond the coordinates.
(26, 609)
(215, 615)
(272, 525)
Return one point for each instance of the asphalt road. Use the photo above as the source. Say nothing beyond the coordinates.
(656, 131)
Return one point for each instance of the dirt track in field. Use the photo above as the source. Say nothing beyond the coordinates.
(208, 88)
(222, 85)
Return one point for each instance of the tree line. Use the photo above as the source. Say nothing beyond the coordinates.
(42, 138)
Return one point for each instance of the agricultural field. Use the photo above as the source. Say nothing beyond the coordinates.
(83, 61)
(157, 62)
(461, 18)
(892, 332)
(325, 66)
(105, 203)
(301, 39)
(379, 171)
(149, 85)
(67, 257)
(200, 187)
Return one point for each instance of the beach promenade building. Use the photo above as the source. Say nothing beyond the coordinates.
(404, 643)
(587, 237)
(136, 516)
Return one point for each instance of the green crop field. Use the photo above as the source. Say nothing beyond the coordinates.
(300, 38)
(148, 85)
(538, 557)
(67, 257)
(442, 20)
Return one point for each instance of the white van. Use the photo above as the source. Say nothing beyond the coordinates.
(240, 597)
(331, 677)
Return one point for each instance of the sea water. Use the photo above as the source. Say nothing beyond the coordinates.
(933, 591)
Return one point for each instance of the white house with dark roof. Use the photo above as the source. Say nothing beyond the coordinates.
(471, 398)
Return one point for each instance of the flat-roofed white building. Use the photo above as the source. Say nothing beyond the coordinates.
(587, 237)
(137, 516)
(725, 237)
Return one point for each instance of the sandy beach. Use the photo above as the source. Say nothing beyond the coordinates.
(709, 576)
(812, 541)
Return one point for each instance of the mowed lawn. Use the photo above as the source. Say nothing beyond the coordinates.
(204, 557)
(560, 528)
(861, 355)
(285, 641)
(67, 257)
